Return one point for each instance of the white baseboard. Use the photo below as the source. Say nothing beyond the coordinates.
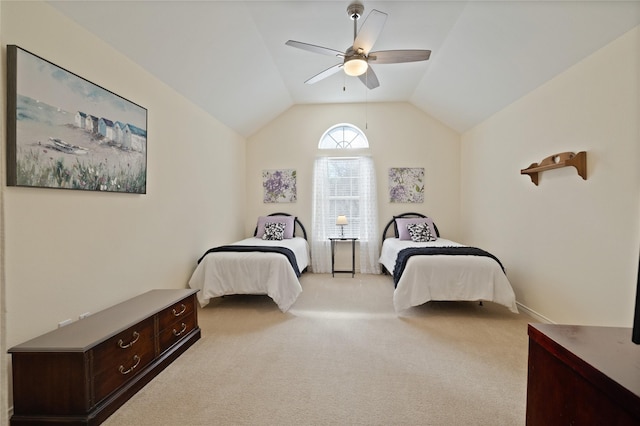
(538, 317)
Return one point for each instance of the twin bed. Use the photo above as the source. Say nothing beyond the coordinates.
(424, 266)
(434, 268)
(268, 263)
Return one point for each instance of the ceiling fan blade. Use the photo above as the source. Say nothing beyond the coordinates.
(398, 56)
(324, 74)
(369, 78)
(313, 48)
(369, 31)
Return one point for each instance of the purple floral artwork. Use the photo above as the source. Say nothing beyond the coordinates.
(279, 186)
(406, 185)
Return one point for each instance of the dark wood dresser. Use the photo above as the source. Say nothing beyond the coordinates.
(582, 375)
(82, 373)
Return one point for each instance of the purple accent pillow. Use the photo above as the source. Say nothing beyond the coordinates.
(288, 221)
(403, 232)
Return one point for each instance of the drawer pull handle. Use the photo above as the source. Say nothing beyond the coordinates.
(136, 358)
(178, 333)
(121, 343)
(177, 314)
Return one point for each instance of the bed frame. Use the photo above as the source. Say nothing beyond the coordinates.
(298, 227)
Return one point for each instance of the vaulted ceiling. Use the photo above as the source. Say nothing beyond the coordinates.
(230, 57)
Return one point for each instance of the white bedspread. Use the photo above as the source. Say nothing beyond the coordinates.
(226, 273)
(440, 277)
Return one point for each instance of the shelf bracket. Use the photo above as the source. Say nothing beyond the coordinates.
(563, 159)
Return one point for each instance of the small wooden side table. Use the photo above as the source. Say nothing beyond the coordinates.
(334, 241)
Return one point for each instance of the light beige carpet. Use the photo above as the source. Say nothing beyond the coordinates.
(342, 356)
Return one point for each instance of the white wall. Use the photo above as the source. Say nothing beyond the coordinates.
(399, 135)
(68, 252)
(570, 246)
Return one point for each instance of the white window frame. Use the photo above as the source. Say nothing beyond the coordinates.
(353, 228)
(340, 137)
(363, 224)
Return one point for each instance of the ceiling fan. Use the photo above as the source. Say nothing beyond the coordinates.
(357, 59)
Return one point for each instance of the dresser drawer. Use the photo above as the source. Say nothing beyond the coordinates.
(111, 379)
(123, 346)
(121, 357)
(174, 313)
(177, 331)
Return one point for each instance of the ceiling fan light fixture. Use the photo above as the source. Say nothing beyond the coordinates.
(355, 66)
(356, 57)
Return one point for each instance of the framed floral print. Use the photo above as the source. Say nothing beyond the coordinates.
(279, 186)
(406, 185)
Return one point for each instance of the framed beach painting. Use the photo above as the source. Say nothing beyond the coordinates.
(406, 185)
(65, 132)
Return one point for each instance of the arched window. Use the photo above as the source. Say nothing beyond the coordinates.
(343, 136)
(344, 185)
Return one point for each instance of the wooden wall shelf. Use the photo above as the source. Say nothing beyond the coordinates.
(564, 159)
